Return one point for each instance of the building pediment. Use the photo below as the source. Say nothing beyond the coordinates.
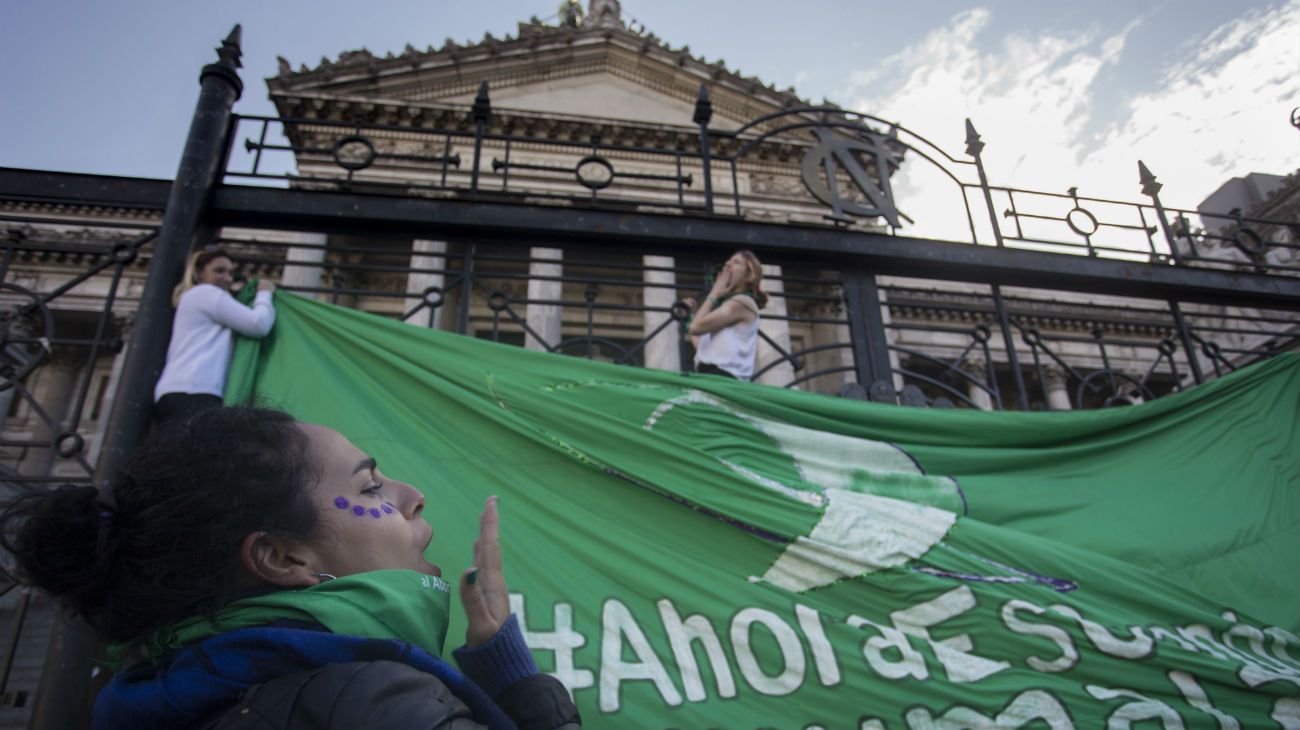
(602, 95)
(598, 71)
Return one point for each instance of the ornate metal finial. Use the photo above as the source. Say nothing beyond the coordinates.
(571, 13)
(228, 63)
(1149, 184)
(482, 108)
(703, 107)
(973, 144)
(230, 52)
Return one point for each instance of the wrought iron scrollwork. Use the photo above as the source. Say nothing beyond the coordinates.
(857, 156)
(47, 441)
(972, 368)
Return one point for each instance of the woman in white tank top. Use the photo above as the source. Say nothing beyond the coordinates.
(724, 327)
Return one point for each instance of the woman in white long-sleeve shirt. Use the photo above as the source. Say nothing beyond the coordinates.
(199, 354)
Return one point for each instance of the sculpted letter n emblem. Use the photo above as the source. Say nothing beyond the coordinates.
(832, 152)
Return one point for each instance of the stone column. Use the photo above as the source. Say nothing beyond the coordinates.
(110, 391)
(426, 254)
(544, 319)
(16, 356)
(840, 357)
(891, 338)
(53, 392)
(663, 351)
(777, 329)
(979, 371)
(1058, 391)
(302, 262)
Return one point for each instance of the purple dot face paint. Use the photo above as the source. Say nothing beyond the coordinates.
(374, 513)
(388, 509)
(358, 510)
(340, 502)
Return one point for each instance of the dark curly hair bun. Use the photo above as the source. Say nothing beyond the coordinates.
(184, 502)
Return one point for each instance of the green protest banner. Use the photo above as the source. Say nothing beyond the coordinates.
(691, 552)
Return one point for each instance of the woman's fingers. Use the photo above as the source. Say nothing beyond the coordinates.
(482, 625)
(488, 560)
(487, 548)
(723, 282)
(483, 586)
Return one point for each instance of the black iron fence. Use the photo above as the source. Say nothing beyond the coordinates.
(804, 165)
(65, 305)
(66, 298)
(597, 303)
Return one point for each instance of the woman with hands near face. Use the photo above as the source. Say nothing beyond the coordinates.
(724, 327)
(295, 594)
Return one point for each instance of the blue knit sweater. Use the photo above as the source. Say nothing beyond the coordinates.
(200, 679)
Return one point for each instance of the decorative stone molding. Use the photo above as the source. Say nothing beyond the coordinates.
(361, 67)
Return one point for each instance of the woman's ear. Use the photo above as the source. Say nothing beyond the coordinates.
(278, 561)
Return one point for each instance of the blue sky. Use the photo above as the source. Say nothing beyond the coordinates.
(1063, 93)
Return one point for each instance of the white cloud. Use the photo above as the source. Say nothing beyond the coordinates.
(1220, 111)
(1223, 112)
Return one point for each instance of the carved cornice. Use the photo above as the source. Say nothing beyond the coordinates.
(533, 39)
(454, 117)
(1050, 318)
(80, 213)
(59, 247)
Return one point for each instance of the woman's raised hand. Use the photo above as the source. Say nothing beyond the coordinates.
(265, 285)
(722, 284)
(483, 586)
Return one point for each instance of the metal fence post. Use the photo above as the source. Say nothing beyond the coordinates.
(1152, 188)
(1009, 342)
(703, 113)
(1185, 337)
(973, 148)
(481, 112)
(60, 698)
(466, 288)
(867, 330)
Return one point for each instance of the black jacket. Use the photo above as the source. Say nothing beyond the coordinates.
(387, 695)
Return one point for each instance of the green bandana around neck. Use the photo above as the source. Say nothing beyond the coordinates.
(382, 604)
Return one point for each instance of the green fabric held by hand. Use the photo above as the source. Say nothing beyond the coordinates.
(1096, 557)
(382, 604)
(242, 372)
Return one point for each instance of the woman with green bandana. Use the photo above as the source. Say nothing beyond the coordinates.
(256, 572)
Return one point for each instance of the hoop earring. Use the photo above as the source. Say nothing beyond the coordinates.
(325, 577)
